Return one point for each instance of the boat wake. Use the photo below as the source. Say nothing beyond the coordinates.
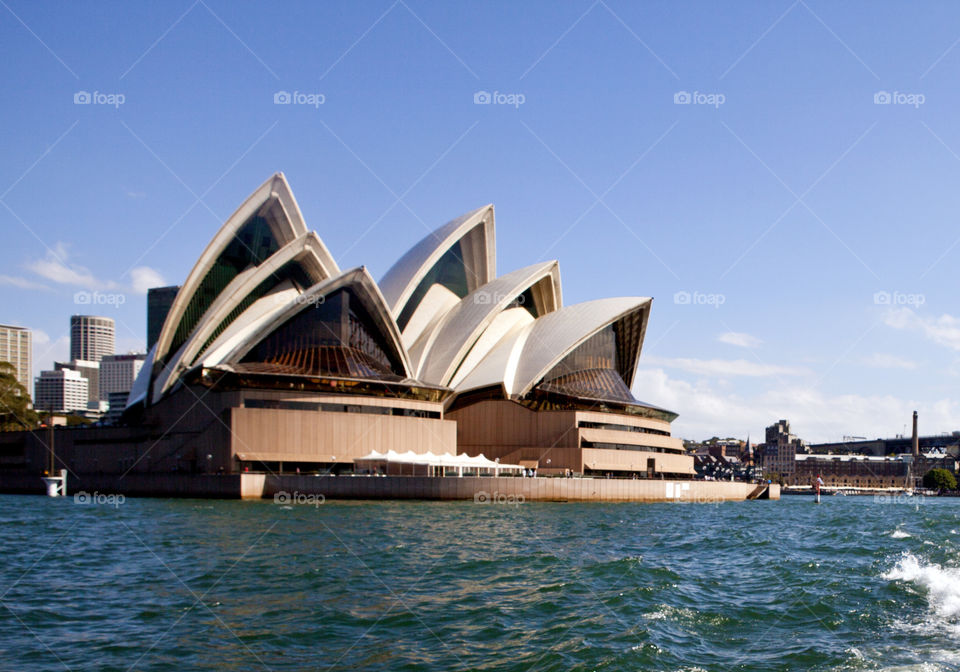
(941, 583)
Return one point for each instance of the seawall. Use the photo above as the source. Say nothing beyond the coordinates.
(259, 486)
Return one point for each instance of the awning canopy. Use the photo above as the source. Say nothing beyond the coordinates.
(461, 461)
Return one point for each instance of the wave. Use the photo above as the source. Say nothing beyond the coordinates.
(900, 534)
(941, 583)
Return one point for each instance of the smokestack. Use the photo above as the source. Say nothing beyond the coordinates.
(916, 438)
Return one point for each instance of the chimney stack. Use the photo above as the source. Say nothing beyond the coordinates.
(916, 438)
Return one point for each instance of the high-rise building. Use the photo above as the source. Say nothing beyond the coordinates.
(89, 370)
(16, 345)
(91, 337)
(159, 300)
(780, 450)
(63, 391)
(117, 373)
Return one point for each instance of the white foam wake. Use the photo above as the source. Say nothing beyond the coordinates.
(942, 583)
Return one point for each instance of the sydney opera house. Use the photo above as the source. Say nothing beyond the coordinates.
(273, 358)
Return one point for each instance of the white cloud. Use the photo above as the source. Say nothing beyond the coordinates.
(56, 268)
(943, 330)
(739, 339)
(144, 277)
(46, 351)
(22, 283)
(882, 360)
(813, 415)
(726, 367)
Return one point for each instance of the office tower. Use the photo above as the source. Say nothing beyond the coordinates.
(91, 337)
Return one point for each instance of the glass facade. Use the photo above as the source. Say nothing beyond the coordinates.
(291, 271)
(449, 271)
(250, 246)
(600, 367)
(335, 337)
(159, 301)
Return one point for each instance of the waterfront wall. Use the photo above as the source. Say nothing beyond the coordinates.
(499, 489)
(260, 486)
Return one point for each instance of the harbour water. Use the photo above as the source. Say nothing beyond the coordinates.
(854, 583)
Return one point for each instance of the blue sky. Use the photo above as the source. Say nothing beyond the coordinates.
(804, 200)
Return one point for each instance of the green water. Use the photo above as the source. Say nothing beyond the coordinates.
(147, 584)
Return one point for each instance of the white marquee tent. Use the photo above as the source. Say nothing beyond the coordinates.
(431, 464)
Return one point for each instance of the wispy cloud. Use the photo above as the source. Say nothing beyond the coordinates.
(814, 415)
(56, 268)
(725, 368)
(883, 360)
(739, 339)
(943, 330)
(22, 283)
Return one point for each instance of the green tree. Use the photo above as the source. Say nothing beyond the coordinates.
(15, 405)
(939, 479)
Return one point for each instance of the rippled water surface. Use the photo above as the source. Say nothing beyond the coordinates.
(149, 584)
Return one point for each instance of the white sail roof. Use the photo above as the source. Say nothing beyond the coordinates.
(475, 230)
(522, 359)
(458, 332)
(314, 262)
(275, 202)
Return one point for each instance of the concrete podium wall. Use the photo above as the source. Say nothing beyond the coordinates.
(493, 490)
(496, 489)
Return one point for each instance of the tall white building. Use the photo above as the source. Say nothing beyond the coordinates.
(63, 391)
(117, 373)
(16, 347)
(89, 370)
(91, 337)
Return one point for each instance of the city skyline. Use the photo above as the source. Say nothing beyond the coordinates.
(784, 193)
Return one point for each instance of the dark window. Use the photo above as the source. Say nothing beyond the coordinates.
(449, 271)
(252, 243)
(335, 338)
